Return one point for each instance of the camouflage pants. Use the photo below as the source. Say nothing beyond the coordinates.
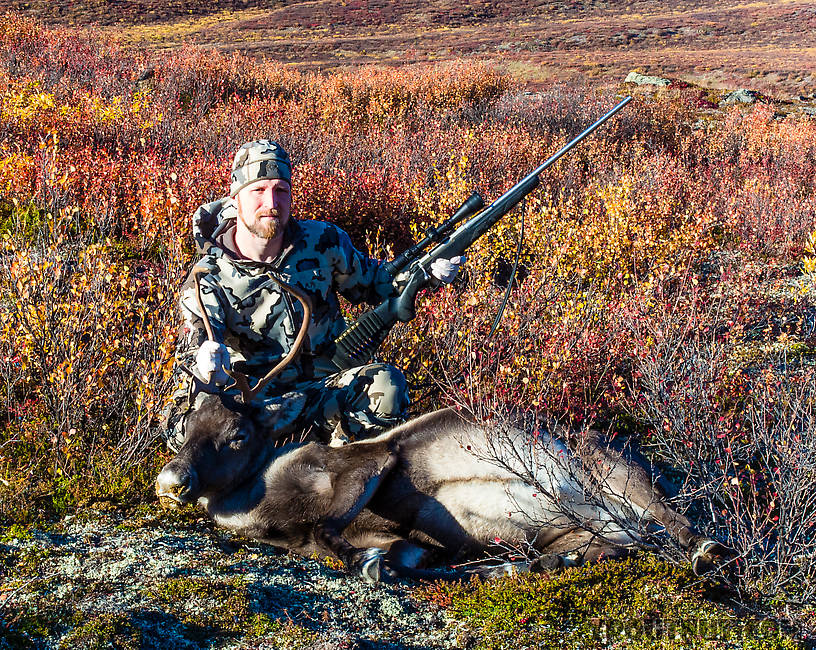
(358, 402)
(351, 404)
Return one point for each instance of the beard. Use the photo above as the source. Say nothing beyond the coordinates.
(263, 226)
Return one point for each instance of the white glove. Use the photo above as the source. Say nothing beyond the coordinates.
(445, 270)
(211, 359)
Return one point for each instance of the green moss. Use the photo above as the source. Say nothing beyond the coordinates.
(39, 493)
(206, 607)
(25, 626)
(35, 623)
(15, 532)
(28, 562)
(102, 631)
(64, 493)
(136, 483)
(288, 636)
(636, 603)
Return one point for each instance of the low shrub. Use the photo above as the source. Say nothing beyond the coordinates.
(635, 603)
(664, 289)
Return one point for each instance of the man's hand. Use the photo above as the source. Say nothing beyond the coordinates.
(445, 270)
(211, 359)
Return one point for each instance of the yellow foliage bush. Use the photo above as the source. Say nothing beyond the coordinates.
(87, 336)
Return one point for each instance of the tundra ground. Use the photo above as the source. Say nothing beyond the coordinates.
(765, 45)
(144, 579)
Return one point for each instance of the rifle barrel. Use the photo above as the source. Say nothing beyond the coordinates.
(471, 230)
(576, 140)
(530, 182)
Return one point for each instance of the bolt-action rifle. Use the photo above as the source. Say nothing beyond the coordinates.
(356, 345)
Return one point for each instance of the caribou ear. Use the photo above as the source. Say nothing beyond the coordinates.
(262, 418)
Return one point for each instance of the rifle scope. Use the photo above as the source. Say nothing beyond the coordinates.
(471, 206)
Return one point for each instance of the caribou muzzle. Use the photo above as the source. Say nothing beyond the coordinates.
(176, 486)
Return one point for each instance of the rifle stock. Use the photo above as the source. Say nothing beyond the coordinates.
(356, 345)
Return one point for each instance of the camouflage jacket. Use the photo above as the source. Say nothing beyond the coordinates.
(253, 317)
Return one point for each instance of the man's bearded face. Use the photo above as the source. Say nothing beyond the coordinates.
(264, 207)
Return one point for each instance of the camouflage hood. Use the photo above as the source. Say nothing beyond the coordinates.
(211, 221)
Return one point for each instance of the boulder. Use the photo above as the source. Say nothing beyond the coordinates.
(741, 96)
(642, 80)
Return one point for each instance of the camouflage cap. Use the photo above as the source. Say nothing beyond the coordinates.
(259, 160)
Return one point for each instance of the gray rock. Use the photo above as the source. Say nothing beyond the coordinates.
(741, 96)
(809, 110)
(642, 80)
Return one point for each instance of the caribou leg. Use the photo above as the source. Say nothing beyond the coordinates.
(353, 490)
(623, 476)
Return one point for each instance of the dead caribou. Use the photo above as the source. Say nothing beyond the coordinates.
(434, 489)
(437, 488)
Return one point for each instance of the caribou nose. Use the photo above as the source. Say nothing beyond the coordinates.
(176, 486)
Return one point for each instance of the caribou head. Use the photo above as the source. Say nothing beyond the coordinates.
(221, 448)
(222, 445)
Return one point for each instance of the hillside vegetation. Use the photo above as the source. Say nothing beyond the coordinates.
(766, 45)
(665, 288)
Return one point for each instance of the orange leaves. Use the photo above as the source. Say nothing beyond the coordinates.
(382, 95)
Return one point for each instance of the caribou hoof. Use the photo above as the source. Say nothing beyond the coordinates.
(371, 564)
(710, 555)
